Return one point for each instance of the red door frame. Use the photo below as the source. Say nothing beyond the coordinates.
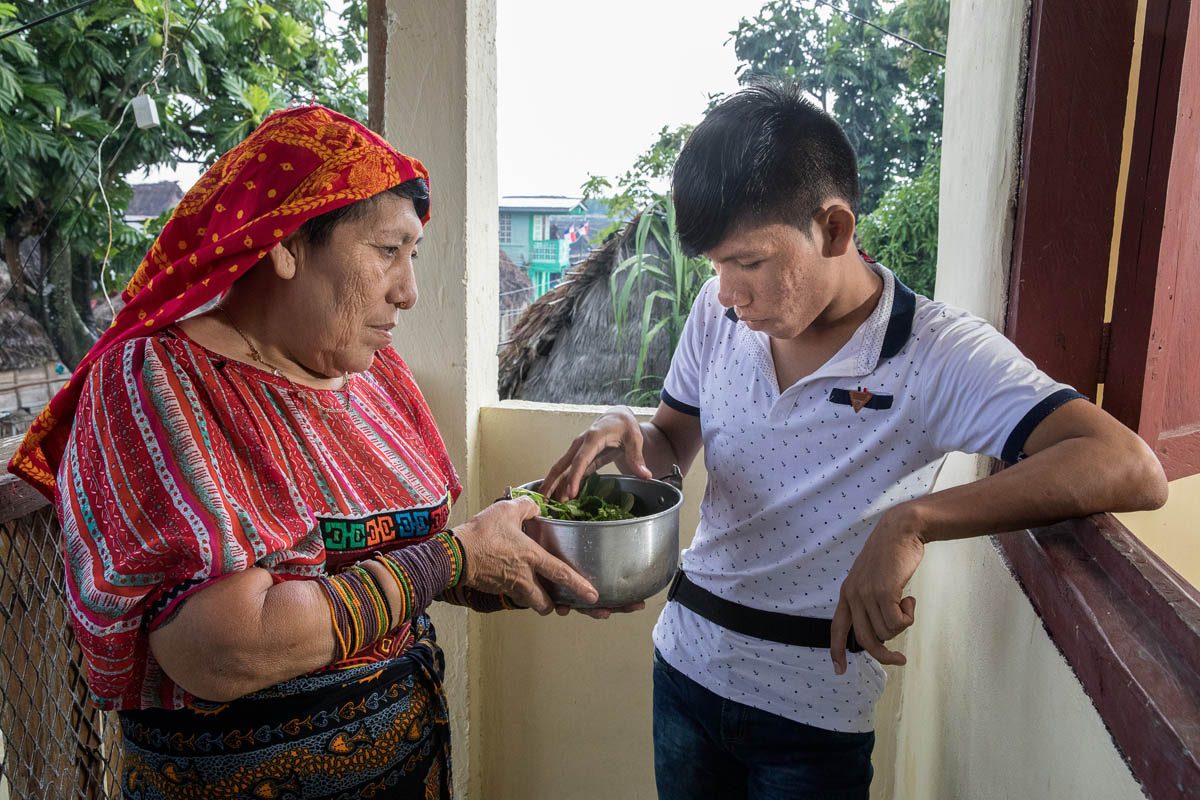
(1107, 601)
(1156, 328)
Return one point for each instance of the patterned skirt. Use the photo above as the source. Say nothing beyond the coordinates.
(372, 731)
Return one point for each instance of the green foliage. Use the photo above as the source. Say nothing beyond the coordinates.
(676, 279)
(66, 84)
(636, 189)
(599, 500)
(130, 245)
(901, 233)
(886, 94)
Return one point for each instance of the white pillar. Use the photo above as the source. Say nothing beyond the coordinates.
(435, 99)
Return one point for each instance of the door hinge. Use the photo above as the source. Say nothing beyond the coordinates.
(1105, 348)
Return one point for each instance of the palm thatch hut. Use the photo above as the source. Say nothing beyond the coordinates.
(516, 289)
(23, 341)
(564, 348)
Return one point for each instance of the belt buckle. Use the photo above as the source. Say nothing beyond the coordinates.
(674, 584)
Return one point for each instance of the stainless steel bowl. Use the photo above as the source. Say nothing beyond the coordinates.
(626, 560)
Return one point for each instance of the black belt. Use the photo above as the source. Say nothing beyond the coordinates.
(769, 625)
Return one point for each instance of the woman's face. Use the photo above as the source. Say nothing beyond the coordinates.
(342, 298)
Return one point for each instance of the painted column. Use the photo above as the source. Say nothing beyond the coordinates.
(433, 95)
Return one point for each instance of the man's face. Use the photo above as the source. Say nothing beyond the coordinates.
(774, 277)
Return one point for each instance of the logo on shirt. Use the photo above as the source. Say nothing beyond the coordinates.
(379, 530)
(860, 398)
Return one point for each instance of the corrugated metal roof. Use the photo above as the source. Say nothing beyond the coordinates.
(548, 203)
(151, 199)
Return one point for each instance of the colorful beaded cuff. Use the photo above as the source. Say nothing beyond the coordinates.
(458, 560)
(359, 610)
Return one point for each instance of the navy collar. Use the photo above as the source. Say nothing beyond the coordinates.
(899, 329)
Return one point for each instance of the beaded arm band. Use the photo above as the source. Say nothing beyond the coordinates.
(477, 600)
(359, 607)
(360, 612)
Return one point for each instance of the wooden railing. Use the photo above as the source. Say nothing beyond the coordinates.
(31, 388)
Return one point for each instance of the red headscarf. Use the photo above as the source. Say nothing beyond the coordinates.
(297, 165)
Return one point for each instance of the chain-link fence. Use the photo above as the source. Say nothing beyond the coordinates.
(54, 745)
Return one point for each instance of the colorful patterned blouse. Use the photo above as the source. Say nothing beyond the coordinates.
(184, 466)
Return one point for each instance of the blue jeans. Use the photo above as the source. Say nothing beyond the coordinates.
(708, 747)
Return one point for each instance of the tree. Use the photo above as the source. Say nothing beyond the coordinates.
(216, 68)
(886, 94)
(636, 189)
(902, 231)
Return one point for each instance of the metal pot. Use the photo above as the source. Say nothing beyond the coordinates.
(626, 560)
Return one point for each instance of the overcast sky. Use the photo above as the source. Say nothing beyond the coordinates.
(583, 87)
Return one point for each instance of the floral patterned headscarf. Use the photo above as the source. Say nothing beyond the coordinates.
(296, 165)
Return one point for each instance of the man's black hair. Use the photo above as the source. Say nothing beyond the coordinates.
(316, 231)
(766, 154)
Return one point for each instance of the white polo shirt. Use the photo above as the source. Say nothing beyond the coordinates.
(797, 480)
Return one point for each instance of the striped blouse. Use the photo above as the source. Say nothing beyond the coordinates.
(184, 466)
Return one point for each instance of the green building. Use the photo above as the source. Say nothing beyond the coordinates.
(533, 240)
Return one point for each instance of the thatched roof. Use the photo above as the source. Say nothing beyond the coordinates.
(564, 348)
(516, 290)
(23, 342)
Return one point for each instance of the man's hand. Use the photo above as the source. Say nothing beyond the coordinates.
(502, 560)
(614, 436)
(871, 598)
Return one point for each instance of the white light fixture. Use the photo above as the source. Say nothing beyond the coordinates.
(145, 113)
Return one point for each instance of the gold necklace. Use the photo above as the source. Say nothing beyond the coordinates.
(254, 354)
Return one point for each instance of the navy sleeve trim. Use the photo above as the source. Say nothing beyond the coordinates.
(1016, 440)
(679, 405)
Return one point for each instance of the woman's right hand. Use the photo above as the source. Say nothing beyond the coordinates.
(614, 436)
(501, 559)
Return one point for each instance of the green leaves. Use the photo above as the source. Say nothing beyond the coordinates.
(902, 232)
(886, 94)
(64, 85)
(599, 500)
(634, 189)
(677, 280)
(50, 96)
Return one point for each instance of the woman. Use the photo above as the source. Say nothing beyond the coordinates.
(254, 498)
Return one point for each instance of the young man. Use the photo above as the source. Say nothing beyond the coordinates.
(825, 394)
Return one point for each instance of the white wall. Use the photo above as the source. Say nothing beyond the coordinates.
(567, 701)
(440, 107)
(989, 707)
(567, 708)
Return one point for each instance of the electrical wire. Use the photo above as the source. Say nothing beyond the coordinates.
(848, 14)
(46, 18)
(158, 72)
(21, 267)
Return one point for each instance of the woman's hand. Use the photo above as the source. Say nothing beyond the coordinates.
(602, 613)
(614, 436)
(502, 560)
